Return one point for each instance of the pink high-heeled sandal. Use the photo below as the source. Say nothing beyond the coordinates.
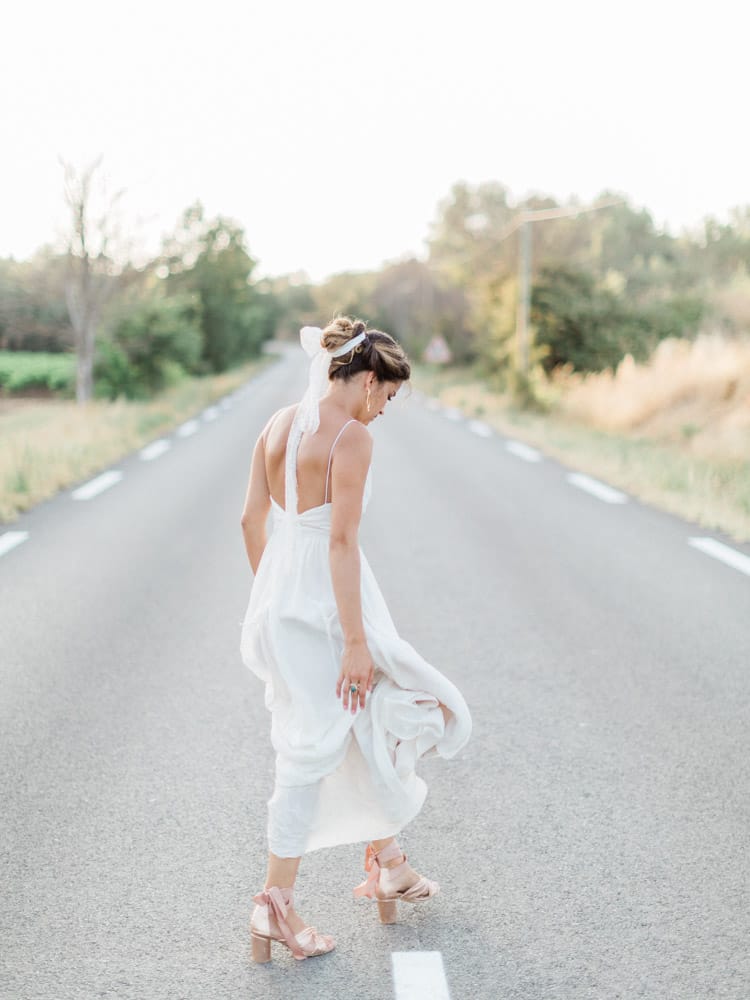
(376, 885)
(268, 923)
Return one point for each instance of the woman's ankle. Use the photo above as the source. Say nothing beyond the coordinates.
(389, 853)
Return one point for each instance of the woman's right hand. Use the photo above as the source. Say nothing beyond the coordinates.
(356, 668)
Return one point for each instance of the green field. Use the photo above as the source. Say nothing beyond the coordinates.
(22, 370)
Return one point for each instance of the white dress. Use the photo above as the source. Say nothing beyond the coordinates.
(340, 777)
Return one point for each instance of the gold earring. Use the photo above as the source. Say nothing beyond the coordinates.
(368, 399)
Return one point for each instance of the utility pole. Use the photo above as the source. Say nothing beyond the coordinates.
(524, 221)
(524, 297)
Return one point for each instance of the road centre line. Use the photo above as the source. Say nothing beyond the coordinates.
(523, 451)
(725, 553)
(596, 488)
(96, 486)
(9, 540)
(419, 975)
(155, 449)
(480, 428)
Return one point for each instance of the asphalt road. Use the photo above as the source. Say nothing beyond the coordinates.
(591, 841)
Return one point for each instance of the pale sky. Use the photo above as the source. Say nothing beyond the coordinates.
(330, 130)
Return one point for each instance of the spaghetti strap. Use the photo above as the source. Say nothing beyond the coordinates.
(330, 455)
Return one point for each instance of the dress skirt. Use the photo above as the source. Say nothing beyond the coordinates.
(339, 777)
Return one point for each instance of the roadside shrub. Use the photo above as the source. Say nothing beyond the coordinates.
(581, 325)
(149, 347)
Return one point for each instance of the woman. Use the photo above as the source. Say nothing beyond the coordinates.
(353, 705)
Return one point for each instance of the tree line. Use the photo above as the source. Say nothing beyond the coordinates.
(193, 309)
(603, 284)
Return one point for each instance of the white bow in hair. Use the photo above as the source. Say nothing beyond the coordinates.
(308, 416)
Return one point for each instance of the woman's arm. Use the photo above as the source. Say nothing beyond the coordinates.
(257, 504)
(348, 473)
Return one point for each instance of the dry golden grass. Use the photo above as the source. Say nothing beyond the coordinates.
(674, 433)
(47, 445)
(693, 393)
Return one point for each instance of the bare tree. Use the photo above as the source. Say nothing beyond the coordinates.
(92, 274)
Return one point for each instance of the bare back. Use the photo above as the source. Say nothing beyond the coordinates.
(314, 458)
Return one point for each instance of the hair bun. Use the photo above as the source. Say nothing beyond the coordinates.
(358, 327)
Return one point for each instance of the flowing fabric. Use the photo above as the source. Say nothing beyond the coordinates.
(362, 765)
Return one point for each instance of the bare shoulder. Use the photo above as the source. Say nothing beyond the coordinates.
(356, 442)
(285, 416)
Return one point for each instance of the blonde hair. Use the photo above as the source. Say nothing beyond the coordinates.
(379, 352)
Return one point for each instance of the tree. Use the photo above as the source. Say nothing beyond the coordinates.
(92, 272)
(580, 324)
(208, 257)
(154, 338)
(33, 312)
(414, 303)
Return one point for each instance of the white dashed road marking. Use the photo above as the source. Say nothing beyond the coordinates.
(434, 404)
(596, 488)
(188, 428)
(225, 403)
(523, 451)
(480, 428)
(155, 449)
(419, 975)
(728, 555)
(210, 413)
(9, 540)
(96, 486)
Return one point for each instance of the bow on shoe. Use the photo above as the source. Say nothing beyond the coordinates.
(372, 867)
(274, 899)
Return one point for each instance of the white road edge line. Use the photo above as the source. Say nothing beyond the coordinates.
(728, 555)
(596, 488)
(9, 540)
(419, 975)
(156, 448)
(96, 486)
(452, 413)
(480, 428)
(188, 428)
(523, 451)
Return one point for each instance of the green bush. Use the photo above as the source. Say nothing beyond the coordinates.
(150, 346)
(580, 324)
(21, 370)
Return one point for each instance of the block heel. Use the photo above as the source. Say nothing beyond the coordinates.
(387, 911)
(261, 948)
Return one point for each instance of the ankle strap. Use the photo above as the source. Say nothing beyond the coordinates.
(389, 852)
(373, 867)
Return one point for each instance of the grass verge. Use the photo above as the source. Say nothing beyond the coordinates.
(48, 445)
(712, 491)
